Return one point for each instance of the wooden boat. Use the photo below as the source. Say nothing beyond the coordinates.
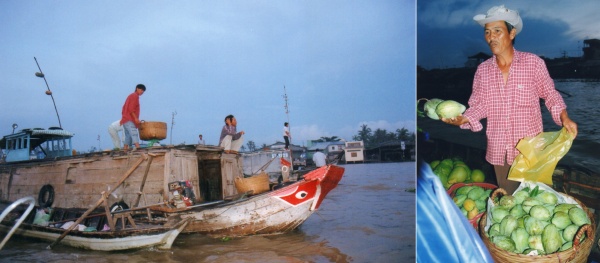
(191, 181)
(273, 212)
(128, 236)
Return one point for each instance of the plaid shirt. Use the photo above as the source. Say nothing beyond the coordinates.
(513, 110)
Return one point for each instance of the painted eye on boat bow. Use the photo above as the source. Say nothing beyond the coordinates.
(301, 194)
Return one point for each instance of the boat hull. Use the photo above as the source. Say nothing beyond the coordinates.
(275, 212)
(160, 237)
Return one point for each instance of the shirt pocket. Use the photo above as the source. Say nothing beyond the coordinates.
(525, 95)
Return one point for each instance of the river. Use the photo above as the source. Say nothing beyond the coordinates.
(582, 99)
(369, 217)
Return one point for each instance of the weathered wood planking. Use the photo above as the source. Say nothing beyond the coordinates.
(79, 180)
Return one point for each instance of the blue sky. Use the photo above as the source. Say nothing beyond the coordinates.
(447, 34)
(344, 64)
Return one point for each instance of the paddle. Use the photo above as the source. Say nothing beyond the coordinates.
(100, 201)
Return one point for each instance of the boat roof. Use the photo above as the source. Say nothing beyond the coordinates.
(38, 135)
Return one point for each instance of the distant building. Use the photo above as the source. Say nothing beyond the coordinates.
(355, 152)
(591, 49)
(475, 60)
(391, 151)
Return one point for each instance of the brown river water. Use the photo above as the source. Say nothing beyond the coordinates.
(369, 217)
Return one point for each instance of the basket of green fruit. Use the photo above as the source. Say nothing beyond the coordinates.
(537, 224)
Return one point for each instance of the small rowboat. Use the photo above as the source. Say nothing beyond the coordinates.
(135, 235)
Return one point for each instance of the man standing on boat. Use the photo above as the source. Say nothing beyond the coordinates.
(114, 129)
(230, 139)
(200, 140)
(507, 89)
(286, 135)
(130, 117)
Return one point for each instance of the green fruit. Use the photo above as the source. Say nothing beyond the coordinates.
(462, 164)
(494, 230)
(498, 213)
(507, 201)
(551, 239)
(434, 164)
(476, 193)
(547, 198)
(449, 109)
(566, 246)
(521, 239)
(464, 211)
(464, 190)
(480, 204)
(561, 220)
(508, 225)
(477, 176)
(535, 242)
(550, 208)
(449, 163)
(442, 172)
(563, 208)
(529, 202)
(578, 216)
(430, 106)
(517, 211)
(540, 212)
(570, 232)
(504, 242)
(486, 195)
(458, 175)
(534, 226)
(520, 196)
(459, 200)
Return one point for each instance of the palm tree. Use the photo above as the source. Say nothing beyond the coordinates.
(251, 146)
(403, 134)
(363, 135)
(329, 139)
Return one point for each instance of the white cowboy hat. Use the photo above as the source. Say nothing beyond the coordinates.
(498, 13)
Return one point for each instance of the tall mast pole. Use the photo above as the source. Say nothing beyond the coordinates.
(48, 92)
(287, 114)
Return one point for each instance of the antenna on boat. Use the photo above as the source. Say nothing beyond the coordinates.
(287, 110)
(48, 92)
(172, 124)
(287, 114)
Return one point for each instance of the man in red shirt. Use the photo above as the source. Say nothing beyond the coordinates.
(130, 117)
(507, 89)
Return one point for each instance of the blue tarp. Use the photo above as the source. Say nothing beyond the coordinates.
(443, 233)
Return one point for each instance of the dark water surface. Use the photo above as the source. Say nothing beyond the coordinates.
(369, 217)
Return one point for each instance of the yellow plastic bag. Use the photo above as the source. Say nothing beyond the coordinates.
(539, 156)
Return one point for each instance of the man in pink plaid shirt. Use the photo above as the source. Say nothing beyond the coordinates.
(506, 90)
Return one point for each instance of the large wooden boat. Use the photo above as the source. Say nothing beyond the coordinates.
(190, 181)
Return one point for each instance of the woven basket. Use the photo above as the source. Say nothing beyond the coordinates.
(452, 191)
(151, 130)
(578, 253)
(257, 183)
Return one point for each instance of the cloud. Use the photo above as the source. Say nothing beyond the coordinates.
(581, 17)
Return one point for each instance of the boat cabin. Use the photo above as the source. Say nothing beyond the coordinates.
(52, 142)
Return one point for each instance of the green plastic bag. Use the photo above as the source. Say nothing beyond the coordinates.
(539, 156)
